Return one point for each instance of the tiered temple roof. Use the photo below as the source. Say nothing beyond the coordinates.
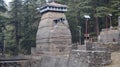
(54, 7)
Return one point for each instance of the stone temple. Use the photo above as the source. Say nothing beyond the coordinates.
(53, 35)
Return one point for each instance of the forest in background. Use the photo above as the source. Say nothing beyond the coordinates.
(18, 25)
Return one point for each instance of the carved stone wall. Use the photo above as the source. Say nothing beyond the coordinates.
(53, 35)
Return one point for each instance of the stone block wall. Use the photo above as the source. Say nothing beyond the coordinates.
(109, 35)
(86, 58)
(50, 61)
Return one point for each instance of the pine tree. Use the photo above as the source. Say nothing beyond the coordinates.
(2, 6)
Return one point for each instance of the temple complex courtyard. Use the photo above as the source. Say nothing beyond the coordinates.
(58, 33)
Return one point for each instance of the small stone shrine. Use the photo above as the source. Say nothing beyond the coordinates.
(111, 35)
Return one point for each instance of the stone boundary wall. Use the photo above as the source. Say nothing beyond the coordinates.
(112, 47)
(87, 58)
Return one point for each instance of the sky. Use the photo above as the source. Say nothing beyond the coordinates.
(7, 1)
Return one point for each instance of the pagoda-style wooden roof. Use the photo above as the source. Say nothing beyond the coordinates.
(53, 6)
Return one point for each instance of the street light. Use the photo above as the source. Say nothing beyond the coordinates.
(87, 16)
(86, 32)
(110, 15)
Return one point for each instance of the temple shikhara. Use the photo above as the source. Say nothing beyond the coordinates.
(53, 35)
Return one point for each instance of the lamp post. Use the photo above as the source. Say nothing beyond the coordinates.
(118, 21)
(110, 15)
(86, 25)
(97, 26)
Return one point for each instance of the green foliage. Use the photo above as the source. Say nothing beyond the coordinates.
(20, 34)
(2, 6)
